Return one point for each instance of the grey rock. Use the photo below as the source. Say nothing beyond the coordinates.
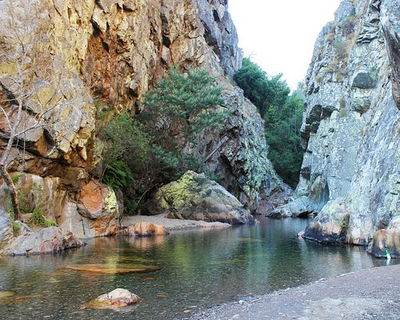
(330, 225)
(47, 240)
(6, 228)
(195, 197)
(391, 27)
(363, 80)
(350, 171)
(298, 208)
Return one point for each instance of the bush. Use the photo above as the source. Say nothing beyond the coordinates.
(258, 88)
(176, 112)
(282, 114)
(118, 175)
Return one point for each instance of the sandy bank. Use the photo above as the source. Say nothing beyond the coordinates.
(174, 224)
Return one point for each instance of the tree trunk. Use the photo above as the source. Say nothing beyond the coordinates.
(13, 191)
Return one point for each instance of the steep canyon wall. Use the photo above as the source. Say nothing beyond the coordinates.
(351, 127)
(78, 55)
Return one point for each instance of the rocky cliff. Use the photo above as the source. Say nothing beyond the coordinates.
(64, 59)
(351, 127)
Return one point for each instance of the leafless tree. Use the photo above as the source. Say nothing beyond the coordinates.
(26, 97)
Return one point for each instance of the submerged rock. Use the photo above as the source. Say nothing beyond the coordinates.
(144, 229)
(47, 240)
(117, 298)
(387, 239)
(112, 269)
(196, 197)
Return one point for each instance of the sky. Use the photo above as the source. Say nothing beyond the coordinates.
(279, 35)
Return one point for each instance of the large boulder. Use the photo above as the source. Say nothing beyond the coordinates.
(47, 240)
(330, 225)
(300, 208)
(94, 213)
(196, 197)
(387, 239)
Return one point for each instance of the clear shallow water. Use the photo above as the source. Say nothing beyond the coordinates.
(198, 269)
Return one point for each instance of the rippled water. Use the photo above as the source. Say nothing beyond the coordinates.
(198, 269)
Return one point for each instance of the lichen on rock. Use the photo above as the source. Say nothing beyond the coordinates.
(350, 167)
(195, 197)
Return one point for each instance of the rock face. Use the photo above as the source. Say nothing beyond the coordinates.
(6, 229)
(85, 55)
(195, 197)
(144, 229)
(47, 240)
(95, 213)
(387, 240)
(351, 168)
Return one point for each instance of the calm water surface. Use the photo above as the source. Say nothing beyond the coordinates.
(198, 269)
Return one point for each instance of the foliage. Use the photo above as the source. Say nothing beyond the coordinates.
(176, 112)
(282, 114)
(16, 228)
(282, 131)
(147, 151)
(38, 219)
(118, 175)
(258, 88)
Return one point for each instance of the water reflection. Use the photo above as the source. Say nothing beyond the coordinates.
(198, 268)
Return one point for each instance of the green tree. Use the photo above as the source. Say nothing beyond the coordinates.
(127, 149)
(258, 88)
(176, 112)
(282, 131)
(282, 114)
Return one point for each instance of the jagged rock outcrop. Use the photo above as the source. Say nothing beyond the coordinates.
(47, 240)
(351, 168)
(196, 197)
(82, 55)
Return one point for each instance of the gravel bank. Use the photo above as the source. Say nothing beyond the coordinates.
(365, 294)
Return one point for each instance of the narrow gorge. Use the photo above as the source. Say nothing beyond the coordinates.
(91, 199)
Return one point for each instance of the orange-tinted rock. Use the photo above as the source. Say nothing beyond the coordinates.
(145, 229)
(91, 199)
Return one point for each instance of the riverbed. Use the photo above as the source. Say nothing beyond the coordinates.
(188, 270)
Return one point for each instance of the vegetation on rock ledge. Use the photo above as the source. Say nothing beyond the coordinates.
(282, 114)
(148, 151)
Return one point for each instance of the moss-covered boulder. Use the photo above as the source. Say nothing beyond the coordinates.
(196, 197)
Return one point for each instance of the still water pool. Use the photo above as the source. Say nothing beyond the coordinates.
(198, 268)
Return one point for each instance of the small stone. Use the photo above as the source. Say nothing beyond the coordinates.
(115, 299)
